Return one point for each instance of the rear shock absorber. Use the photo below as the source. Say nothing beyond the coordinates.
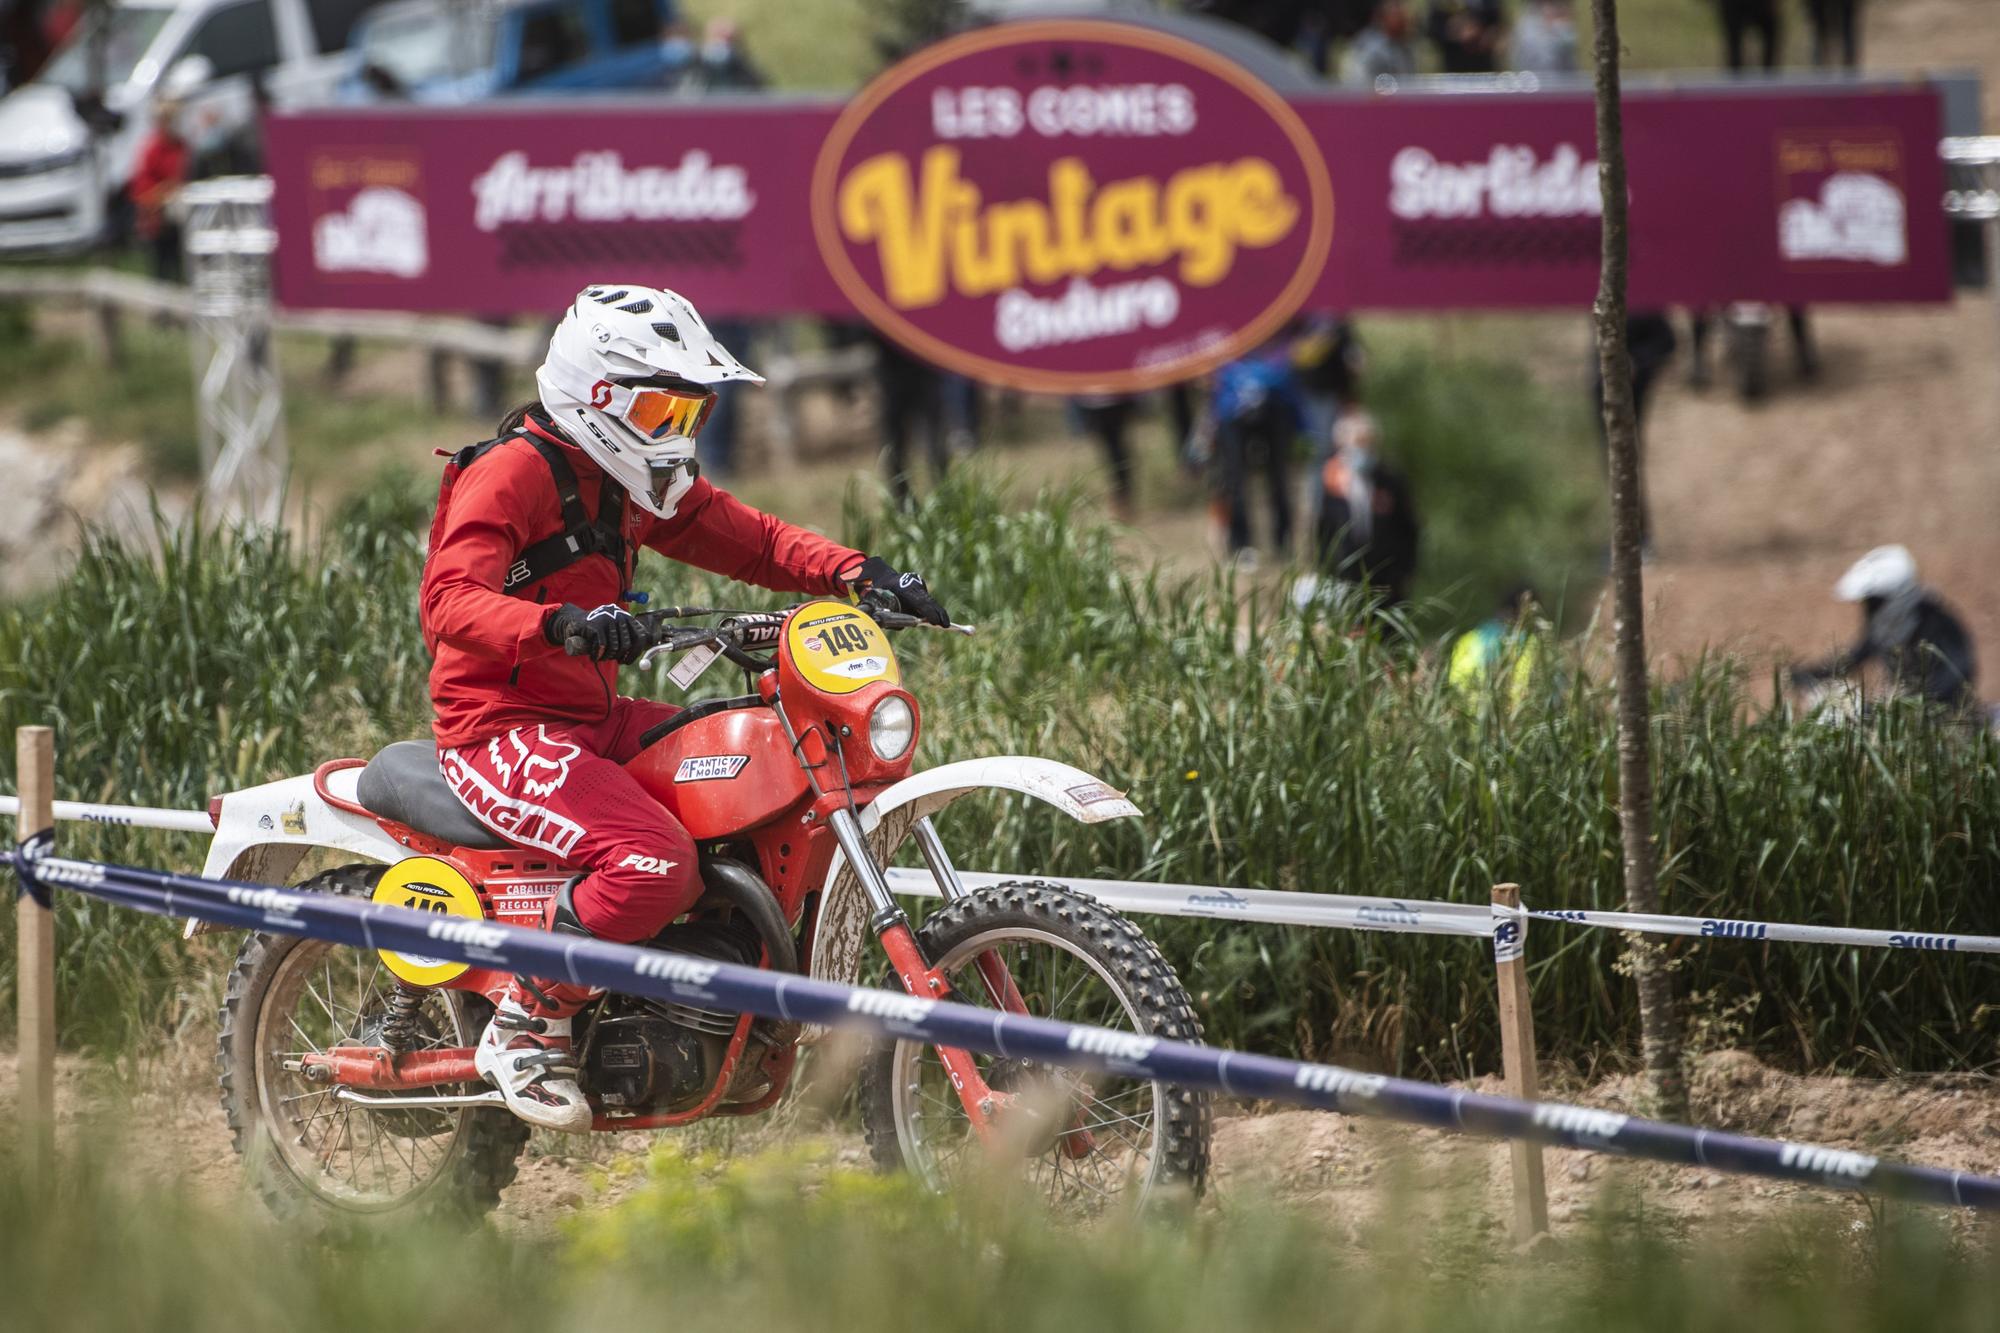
(399, 1026)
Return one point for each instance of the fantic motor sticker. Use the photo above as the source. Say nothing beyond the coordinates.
(710, 767)
(838, 649)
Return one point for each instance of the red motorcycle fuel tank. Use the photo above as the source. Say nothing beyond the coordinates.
(723, 774)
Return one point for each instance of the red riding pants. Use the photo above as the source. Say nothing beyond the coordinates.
(563, 789)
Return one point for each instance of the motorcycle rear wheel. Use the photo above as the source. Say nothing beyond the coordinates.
(305, 1150)
(1072, 959)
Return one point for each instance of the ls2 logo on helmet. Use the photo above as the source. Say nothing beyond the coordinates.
(1072, 206)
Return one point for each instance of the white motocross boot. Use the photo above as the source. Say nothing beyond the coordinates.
(525, 1052)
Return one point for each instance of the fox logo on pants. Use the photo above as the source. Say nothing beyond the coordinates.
(549, 756)
(651, 864)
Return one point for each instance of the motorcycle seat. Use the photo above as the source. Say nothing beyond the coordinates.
(402, 783)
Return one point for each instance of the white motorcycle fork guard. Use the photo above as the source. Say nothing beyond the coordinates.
(840, 930)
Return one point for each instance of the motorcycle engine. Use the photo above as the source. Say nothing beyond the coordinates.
(645, 1055)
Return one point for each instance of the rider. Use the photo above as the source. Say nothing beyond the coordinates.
(1923, 646)
(532, 738)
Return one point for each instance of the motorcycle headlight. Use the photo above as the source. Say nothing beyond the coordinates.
(891, 728)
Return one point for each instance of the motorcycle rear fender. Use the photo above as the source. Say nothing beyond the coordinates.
(262, 833)
(840, 930)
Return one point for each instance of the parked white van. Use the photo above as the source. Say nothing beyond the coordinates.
(54, 197)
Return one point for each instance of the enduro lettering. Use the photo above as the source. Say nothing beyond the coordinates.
(1735, 930)
(1945, 942)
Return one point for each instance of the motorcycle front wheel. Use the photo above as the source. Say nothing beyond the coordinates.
(1109, 1140)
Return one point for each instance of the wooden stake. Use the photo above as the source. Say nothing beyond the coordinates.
(1517, 1056)
(35, 939)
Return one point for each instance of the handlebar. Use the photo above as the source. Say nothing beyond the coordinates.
(741, 633)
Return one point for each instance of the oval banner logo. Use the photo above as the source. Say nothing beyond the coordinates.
(1072, 206)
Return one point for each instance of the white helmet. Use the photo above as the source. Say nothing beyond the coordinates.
(628, 379)
(1883, 572)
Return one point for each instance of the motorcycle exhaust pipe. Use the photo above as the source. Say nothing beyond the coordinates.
(744, 889)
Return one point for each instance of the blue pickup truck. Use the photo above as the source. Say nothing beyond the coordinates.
(450, 51)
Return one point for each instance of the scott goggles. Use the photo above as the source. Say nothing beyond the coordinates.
(664, 414)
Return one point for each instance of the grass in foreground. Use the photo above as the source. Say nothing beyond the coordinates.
(783, 1240)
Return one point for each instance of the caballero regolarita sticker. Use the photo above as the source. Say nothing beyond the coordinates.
(1072, 206)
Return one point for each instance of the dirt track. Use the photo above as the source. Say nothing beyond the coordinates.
(1332, 1165)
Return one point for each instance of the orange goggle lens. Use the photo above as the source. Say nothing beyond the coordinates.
(662, 413)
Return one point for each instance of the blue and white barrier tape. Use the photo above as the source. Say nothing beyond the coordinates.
(1276, 907)
(1353, 912)
(677, 978)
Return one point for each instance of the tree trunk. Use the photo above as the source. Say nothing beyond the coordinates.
(1664, 1092)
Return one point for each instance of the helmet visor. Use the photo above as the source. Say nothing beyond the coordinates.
(661, 414)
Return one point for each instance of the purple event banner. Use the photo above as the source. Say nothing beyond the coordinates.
(1436, 201)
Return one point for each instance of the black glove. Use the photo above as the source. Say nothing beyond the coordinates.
(609, 633)
(878, 575)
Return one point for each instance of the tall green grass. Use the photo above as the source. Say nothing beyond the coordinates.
(1266, 747)
(785, 1240)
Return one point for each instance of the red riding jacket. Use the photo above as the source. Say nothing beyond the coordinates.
(492, 669)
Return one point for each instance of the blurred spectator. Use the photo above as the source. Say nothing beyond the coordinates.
(1544, 40)
(1835, 24)
(1366, 529)
(1254, 419)
(1503, 643)
(1742, 19)
(1327, 358)
(724, 66)
(1382, 48)
(162, 170)
(1109, 418)
(1650, 344)
(719, 64)
(912, 405)
(1805, 352)
(1467, 34)
(963, 413)
(24, 41)
(1922, 646)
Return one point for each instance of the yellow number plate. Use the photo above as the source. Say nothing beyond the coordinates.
(426, 884)
(839, 649)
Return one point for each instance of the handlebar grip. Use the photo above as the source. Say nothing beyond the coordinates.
(576, 646)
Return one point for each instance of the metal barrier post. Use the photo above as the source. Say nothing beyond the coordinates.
(35, 968)
(1517, 1059)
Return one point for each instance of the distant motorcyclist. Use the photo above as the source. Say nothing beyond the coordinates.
(1922, 646)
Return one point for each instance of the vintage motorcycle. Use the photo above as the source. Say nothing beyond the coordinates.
(348, 1079)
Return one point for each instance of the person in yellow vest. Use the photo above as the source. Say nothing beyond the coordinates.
(1503, 647)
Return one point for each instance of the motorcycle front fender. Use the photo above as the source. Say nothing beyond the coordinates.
(840, 930)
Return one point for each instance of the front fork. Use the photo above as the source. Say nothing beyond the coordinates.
(890, 925)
